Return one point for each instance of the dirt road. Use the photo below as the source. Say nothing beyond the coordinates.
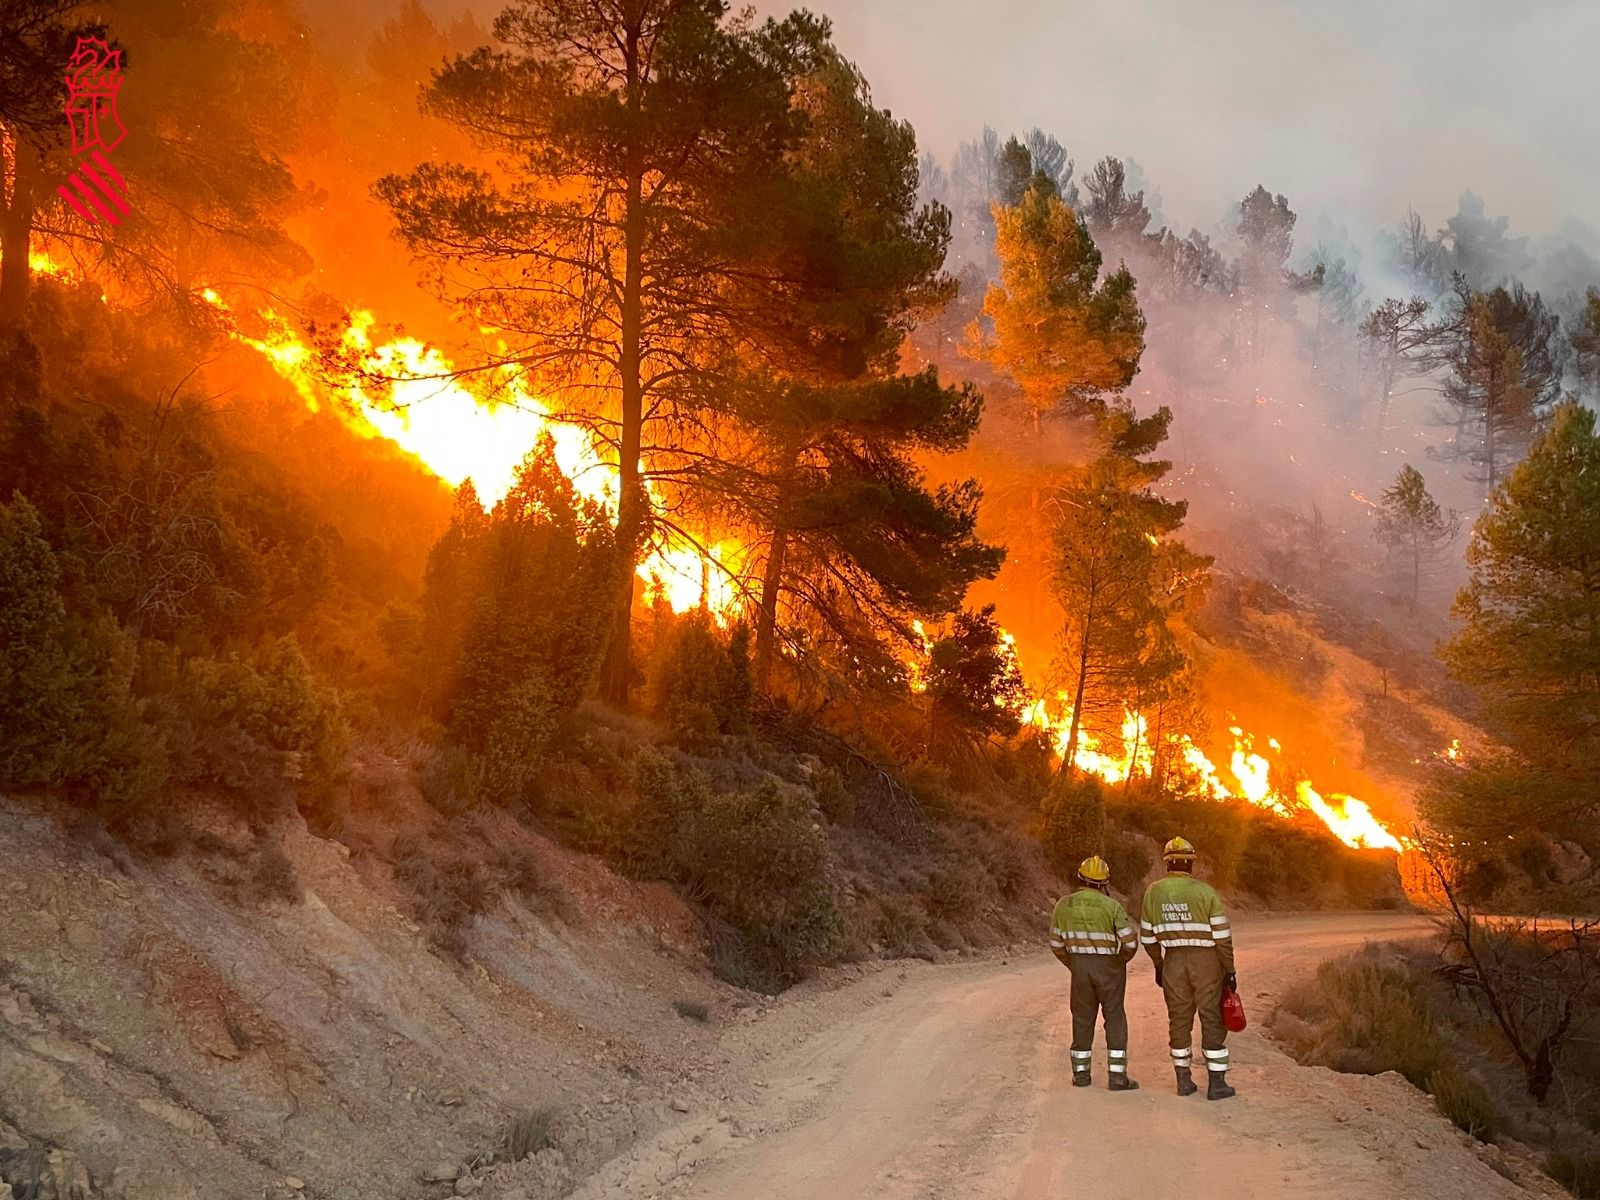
(954, 1085)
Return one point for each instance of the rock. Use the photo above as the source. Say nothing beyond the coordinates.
(467, 1185)
(679, 1104)
(442, 1173)
(294, 1183)
(56, 1175)
(11, 1142)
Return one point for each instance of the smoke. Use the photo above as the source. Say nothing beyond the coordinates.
(1364, 108)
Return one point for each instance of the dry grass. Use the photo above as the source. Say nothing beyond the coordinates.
(528, 1134)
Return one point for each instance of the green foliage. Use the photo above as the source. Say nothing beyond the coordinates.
(273, 698)
(69, 717)
(1529, 617)
(1411, 523)
(1379, 1012)
(1462, 1099)
(974, 686)
(1074, 821)
(515, 619)
(1120, 578)
(1066, 337)
(701, 685)
(755, 859)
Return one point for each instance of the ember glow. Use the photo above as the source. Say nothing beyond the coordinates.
(1250, 776)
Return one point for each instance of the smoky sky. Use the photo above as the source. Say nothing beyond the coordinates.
(1357, 109)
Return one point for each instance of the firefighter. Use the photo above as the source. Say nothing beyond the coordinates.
(1093, 937)
(1187, 935)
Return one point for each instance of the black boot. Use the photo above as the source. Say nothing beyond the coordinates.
(1217, 1086)
(1186, 1085)
(1081, 1079)
(1119, 1082)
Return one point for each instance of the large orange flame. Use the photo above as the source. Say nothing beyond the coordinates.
(1131, 753)
(425, 407)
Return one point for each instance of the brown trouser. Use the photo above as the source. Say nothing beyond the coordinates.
(1191, 980)
(1099, 983)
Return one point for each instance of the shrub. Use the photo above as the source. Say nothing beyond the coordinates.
(68, 714)
(274, 701)
(272, 877)
(754, 858)
(691, 1010)
(1130, 856)
(445, 896)
(1462, 1099)
(957, 888)
(528, 1134)
(1578, 1173)
(902, 927)
(453, 780)
(1380, 1021)
(701, 686)
(1074, 821)
(833, 799)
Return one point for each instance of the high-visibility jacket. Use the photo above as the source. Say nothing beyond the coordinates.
(1180, 910)
(1088, 921)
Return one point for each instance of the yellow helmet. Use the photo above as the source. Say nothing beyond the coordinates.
(1178, 848)
(1094, 870)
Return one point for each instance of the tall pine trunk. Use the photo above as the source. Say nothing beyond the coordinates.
(767, 614)
(16, 224)
(616, 676)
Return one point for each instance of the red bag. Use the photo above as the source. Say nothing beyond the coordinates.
(1232, 1010)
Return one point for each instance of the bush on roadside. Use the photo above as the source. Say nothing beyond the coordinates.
(1578, 1173)
(755, 859)
(1371, 1017)
(1463, 1100)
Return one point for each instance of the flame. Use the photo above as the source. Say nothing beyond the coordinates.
(420, 404)
(1350, 819)
(1132, 752)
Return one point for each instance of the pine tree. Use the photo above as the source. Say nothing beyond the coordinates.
(1530, 615)
(1497, 405)
(974, 688)
(1065, 336)
(694, 195)
(1266, 236)
(1411, 524)
(854, 533)
(1119, 576)
(1585, 342)
(1113, 213)
(1400, 342)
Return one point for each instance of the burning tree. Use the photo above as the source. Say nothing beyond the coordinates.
(208, 184)
(1117, 578)
(684, 199)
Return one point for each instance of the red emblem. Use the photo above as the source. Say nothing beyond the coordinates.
(94, 77)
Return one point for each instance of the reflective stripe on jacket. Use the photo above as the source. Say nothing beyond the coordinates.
(1180, 910)
(1090, 922)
